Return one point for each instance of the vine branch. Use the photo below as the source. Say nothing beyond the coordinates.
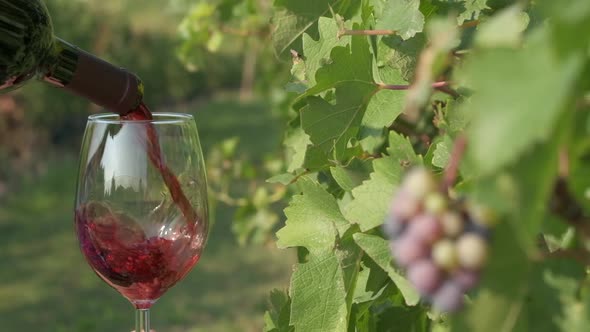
(579, 255)
(452, 170)
(366, 33)
(435, 85)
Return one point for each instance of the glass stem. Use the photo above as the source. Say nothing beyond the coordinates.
(142, 320)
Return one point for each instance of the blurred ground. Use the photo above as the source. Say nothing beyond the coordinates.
(45, 284)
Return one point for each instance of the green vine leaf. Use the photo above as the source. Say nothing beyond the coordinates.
(352, 175)
(383, 109)
(296, 144)
(319, 295)
(372, 198)
(525, 99)
(348, 64)
(313, 219)
(277, 319)
(317, 51)
(296, 17)
(516, 292)
(400, 148)
(503, 30)
(442, 152)
(402, 16)
(332, 127)
(470, 9)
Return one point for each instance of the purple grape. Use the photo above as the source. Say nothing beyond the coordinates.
(448, 297)
(425, 227)
(393, 227)
(408, 249)
(467, 279)
(404, 206)
(425, 276)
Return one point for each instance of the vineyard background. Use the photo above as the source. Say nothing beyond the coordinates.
(320, 107)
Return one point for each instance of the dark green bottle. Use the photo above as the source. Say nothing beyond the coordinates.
(28, 49)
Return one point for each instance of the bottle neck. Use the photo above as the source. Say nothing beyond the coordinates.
(85, 75)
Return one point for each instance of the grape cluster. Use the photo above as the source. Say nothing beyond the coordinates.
(442, 243)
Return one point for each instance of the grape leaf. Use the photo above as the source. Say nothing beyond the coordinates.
(313, 219)
(278, 317)
(568, 20)
(457, 118)
(287, 29)
(525, 99)
(400, 148)
(515, 292)
(317, 53)
(402, 16)
(378, 249)
(293, 18)
(348, 64)
(352, 175)
(383, 109)
(414, 319)
(442, 153)
(472, 9)
(521, 192)
(319, 295)
(554, 290)
(372, 198)
(284, 178)
(296, 143)
(349, 254)
(402, 54)
(503, 29)
(331, 127)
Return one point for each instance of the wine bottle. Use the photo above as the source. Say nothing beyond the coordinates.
(29, 49)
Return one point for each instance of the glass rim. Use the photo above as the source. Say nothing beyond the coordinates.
(159, 118)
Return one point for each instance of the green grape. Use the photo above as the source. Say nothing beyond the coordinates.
(472, 251)
(435, 203)
(444, 254)
(418, 183)
(452, 223)
(481, 215)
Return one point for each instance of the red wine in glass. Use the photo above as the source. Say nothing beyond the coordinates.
(141, 209)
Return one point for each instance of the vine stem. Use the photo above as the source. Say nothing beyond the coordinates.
(581, 256)
(435, 85)
(452, 170)
(366, 33)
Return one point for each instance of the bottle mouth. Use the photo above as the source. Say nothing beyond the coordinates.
(158, 118)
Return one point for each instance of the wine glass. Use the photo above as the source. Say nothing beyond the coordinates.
(141, 205)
